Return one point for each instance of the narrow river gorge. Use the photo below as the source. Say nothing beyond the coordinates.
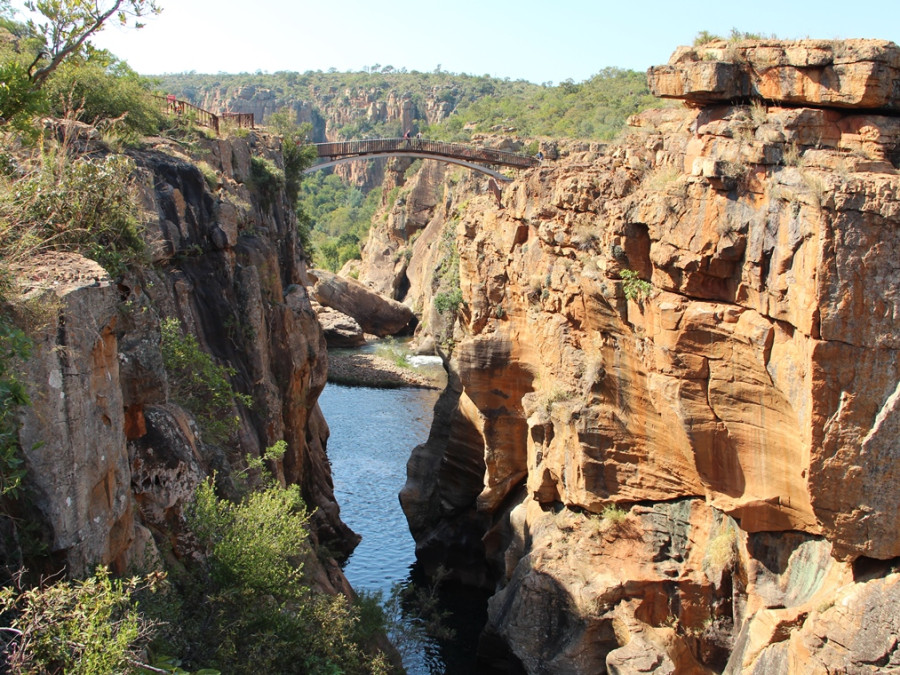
(372, 434)
(669, 438)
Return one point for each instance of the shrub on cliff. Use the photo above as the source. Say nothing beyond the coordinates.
(247, 606)
(199, 383)
(266, 178)
(634, 287)
(89, 627)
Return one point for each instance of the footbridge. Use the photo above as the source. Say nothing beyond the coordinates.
(474, 158)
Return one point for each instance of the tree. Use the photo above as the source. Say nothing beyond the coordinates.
(69, 24)
(297, 153)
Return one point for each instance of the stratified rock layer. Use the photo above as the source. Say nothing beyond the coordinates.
(822, 73)
(677, 372)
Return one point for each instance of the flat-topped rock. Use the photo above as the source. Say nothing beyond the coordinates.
(862, 74)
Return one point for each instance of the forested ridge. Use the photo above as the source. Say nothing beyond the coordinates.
(595, 109)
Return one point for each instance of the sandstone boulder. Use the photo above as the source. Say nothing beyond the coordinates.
(376, 314)
(340, 330)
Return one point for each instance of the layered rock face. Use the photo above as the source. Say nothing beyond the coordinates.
(112, 457)
(673, 430)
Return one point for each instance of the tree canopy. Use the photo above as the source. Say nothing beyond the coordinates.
(66, 26)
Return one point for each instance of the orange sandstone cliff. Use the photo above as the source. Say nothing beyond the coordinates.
(670, 441)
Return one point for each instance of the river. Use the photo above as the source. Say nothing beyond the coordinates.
(373, 432)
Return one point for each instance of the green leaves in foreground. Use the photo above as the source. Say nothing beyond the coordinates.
(89, 627)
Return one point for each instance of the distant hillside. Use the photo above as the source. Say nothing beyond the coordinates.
(443, 105)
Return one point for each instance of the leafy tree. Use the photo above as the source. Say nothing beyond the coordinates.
(298, 154)
(68, 24)
(44, 44)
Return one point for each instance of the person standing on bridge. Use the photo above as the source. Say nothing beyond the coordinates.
(406, 137)
(419, 140)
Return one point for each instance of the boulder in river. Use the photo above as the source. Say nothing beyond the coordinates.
(375, 314)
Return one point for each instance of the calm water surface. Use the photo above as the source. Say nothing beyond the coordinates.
(373, 432)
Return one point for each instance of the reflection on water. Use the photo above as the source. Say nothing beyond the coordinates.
(373, 432)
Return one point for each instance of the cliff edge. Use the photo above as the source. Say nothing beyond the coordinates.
(671, 433)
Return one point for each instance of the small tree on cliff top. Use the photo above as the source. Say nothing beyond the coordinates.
(61, 29)
(68, 24)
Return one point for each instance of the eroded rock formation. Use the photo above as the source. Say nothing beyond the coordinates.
(375, 313)
(112, 458)
(671, 432)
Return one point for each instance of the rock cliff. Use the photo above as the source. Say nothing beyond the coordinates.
(112, 457)
(670, 436)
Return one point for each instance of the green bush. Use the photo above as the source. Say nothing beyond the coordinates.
(89, 627)
(19, 100)
(103, 88)
(634, 287)
(448, 301)
(248, 608)
(613, 514)
(267, 178)
(258, 545)
(199, 383)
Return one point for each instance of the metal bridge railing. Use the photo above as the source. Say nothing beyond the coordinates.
(454, 150)
(174, 106)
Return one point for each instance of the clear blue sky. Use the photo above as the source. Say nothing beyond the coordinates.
(527, 39)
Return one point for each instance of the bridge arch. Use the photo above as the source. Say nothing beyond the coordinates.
(453, 153)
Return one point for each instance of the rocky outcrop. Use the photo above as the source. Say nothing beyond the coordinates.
(673, 425)
(374, 313)
(112, 457)
(821, 73)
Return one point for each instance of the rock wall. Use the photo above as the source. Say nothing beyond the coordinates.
(670, 435)
(112, 458)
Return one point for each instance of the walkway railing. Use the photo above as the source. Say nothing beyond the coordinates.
(174, 106)
(439, 148)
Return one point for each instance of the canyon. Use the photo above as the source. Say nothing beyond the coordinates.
(670, 434)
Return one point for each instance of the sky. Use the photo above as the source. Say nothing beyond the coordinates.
(539, 41)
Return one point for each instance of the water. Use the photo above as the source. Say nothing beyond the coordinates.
(373, 432)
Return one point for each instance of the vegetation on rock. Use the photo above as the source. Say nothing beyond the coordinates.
(199, 383)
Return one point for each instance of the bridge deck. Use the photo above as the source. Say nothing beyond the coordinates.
(385, 146)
